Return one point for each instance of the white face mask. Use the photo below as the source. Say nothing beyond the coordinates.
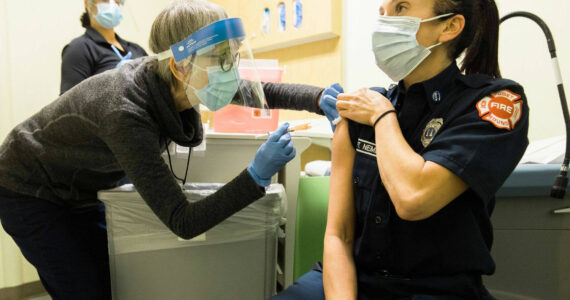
(395, 46)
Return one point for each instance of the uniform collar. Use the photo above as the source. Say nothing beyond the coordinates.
(98, 38)
(437, 88)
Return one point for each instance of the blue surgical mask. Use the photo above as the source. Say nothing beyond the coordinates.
(219, 91)
(109, 15)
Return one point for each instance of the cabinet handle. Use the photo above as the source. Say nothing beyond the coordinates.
(563, 211)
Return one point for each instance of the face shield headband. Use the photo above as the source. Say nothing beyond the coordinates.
(209, 35)
(212, 55)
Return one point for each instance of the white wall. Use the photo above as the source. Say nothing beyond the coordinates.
(5, 86)
(359, 67)
(523, 55)
(32, 35)
(35, 32)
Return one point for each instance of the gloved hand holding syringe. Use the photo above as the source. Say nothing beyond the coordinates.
(277, 151)
(304, 126)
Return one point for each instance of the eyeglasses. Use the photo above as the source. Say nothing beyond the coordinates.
(227, 60)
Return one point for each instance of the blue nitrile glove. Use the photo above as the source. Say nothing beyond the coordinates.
(277, 151)
(328, 102)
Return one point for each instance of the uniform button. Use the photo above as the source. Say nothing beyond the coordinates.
(356, 179)
(378, 255)
(436, 96)
(378, 219)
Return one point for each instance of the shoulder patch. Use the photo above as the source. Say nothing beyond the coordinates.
(503, 109)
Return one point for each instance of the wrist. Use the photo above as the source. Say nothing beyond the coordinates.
(375, 116)
(319, 98)
(263, 182)
(382, 116)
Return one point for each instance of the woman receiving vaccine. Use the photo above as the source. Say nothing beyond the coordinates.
(415, 168)
(99, 49)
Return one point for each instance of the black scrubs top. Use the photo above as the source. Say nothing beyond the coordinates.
(91, 54)
(474, 126)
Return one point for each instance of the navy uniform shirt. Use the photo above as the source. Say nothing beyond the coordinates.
(91, 54)
(474, 126)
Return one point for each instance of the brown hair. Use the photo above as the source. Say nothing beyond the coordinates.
(175, 23)
(85, 22)
(480, 37)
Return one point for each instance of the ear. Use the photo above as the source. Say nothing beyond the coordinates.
(175, 70)
(453, 28)
(90, 7)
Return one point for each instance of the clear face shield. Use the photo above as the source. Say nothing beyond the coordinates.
(209, 61)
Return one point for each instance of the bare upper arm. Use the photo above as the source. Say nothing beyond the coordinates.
(340, 220)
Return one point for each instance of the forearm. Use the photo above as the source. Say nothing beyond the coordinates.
(417, 188)
(137, 151)
(293, 96)
(191, 219)
(339, 272)
(401, 169)
(154, 182)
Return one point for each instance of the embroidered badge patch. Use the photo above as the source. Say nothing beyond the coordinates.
(431, 130)
(502, 109)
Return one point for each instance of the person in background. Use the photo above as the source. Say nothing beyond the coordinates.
(120, 122)
(415, 168)
(99, 49)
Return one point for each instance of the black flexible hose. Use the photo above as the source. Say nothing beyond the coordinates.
(561, 180)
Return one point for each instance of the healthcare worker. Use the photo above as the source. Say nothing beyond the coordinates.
(53, 164)
(415, 168)
(99, 49)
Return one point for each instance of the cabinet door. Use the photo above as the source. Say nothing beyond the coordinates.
(321, 20)
(531, 264)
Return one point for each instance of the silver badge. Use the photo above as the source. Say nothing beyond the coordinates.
(431, 130)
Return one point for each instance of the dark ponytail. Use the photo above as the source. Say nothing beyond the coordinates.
(85, 22)
(480, 37)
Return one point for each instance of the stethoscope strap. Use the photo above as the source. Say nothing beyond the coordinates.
(117, 51)
(128, 56)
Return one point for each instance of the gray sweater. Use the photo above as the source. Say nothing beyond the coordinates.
(118, 123)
